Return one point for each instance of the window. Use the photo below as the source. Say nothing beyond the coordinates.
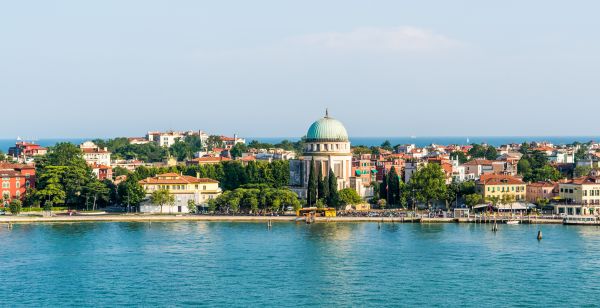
(204, 187)
(18, 184)
(5, 184)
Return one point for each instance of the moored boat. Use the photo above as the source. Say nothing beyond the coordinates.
(512, 222)
(581, 220)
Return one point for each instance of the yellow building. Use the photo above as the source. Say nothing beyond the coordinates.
(184, 188)
(490, 185)
(581, 195)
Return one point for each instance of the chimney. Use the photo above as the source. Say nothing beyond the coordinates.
(197, 174)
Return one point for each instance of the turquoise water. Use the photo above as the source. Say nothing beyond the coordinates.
(325, 264)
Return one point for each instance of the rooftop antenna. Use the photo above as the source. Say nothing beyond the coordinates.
(326, 112)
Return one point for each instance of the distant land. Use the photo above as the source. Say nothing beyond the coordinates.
(372, 141)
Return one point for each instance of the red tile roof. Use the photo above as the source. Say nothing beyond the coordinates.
(174, 178)
(499, 179)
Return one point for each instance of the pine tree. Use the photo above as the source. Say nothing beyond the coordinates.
(312, 185)
(333, 200)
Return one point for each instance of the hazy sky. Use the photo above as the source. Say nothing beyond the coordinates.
(269, 68)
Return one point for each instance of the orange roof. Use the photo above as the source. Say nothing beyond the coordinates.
(174, 178)
(210, 159)
(585, 180)
(478, 161)
(540, 184)
(499, 179)
(15, 166)
(93, 150)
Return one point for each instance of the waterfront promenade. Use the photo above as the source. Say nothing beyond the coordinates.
(175, 218)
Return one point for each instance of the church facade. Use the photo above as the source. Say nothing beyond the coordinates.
(328, 145)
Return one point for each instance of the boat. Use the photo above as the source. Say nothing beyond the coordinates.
(581, 220)
(512, 222)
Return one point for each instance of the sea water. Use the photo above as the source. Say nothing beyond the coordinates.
(324, 264)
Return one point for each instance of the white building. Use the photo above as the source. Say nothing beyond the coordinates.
(165, 139)
(328, 147)
(183, 187)
(94, 155)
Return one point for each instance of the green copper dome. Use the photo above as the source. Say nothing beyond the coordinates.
(327, 129)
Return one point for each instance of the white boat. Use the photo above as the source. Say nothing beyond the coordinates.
(512, 222)
(581, 220)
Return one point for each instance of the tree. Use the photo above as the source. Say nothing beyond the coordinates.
(383, 188)
(65, 154)
(582, 152)
(393, 189)
(387, 145)
(181, 151)
(334, 199)
(349, 196)
(15, 206)
(494, 200)
(238, 149)
(473, 199)
(382, 203)
(97, 190)
(545, 173)
(162, 197)
(491, 153)
(214, 141)
(191, 206)
(580, 171)
(462, 157)
(322, 185)
(524, 166)
(312, 185)
(51, 190)
(320, 204)
(130, 192)
(429, 183)
(507, 200)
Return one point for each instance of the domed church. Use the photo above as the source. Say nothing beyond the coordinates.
(328, 144)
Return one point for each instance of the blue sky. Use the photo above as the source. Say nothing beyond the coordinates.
(269, 68)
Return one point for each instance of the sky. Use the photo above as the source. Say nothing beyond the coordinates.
(270, 68)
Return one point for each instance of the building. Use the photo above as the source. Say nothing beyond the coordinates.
(137, 140)
(16, 179)
(498, 185)
(411, 166)
(328, 146)
(24, 151)
(583, 190)
(95, 155)
(229, 142)
(476, 167)
(540, 191)
(183, 187)
(102, 172)
(209, 160)
(166, 139)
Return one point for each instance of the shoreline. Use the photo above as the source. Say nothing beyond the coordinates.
(174, 218)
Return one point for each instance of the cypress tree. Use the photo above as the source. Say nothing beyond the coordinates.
(333, 200)
(393, 187)
(312, 185)
(320, 183)
(383, 188)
